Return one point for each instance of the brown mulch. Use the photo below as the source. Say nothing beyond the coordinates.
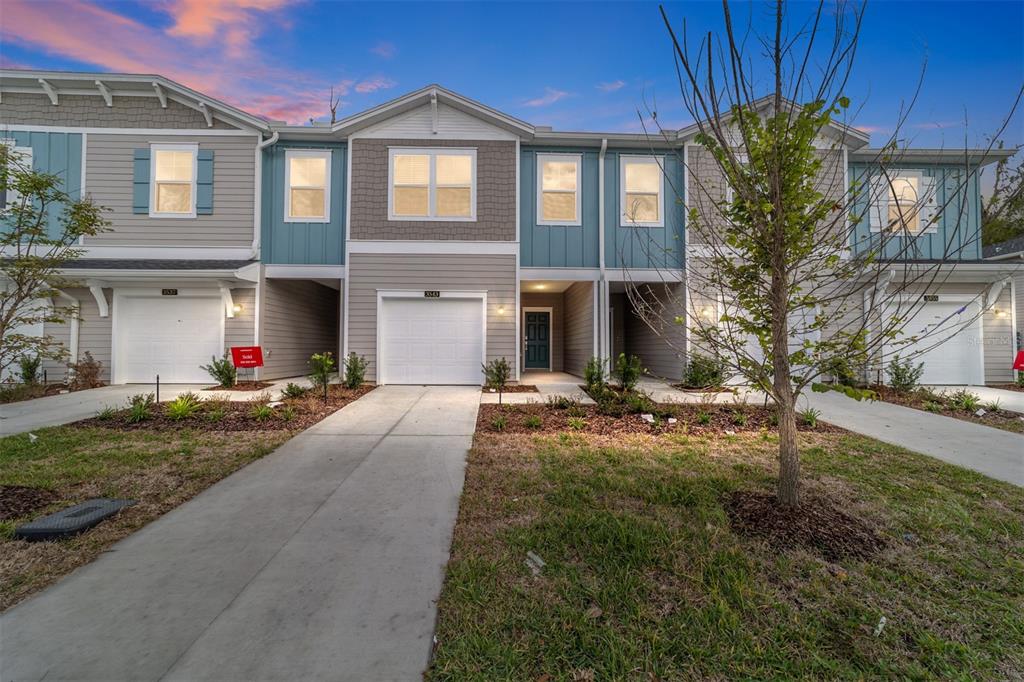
(814, 524)
(1008, 387)
(242, 386)
(17, 501)
(1007, 420)
(555, 420)
(517, 388)
(12, 393)
(223, 415)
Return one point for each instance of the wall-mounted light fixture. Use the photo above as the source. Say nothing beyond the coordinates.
(501, 310)
(540, 286)
(1000, 313)
(237, 307)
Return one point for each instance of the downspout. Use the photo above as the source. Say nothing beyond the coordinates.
(602, 283)
(76, 308)
(258, 201)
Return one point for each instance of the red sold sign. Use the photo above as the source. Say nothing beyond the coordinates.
(1018, 363)
(247, 356)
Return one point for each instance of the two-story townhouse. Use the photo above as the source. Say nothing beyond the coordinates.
(1011, 253)
(429, 234)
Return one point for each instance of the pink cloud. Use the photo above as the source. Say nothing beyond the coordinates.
(550, 96)
(611, 86)
(384, 49)
(374, 84)
(208, 48)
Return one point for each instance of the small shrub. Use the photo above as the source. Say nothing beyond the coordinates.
(964, 400)
(294, 390)
(773, 418)
(925, 393)
(593, 375)
(287, 413)
(28, 369)
(140, 407)
(810, 417)
(85, 373)
(638, 402)
(533, 422)
(561, 402)
(577, 423)
(355, 370)
(903, 375)
(609, 404)
(183, 407)
(703, 417)
(576, 411)
(840, 371)
(216, 410)
(496, 375)
(627, 371)
(932, 406)
(993, 406)
(222, 370)
(106, 414)
(321, 366)
(261, 413)
(1020, 379)
(739, 418)
(499, 423)
(703, 371)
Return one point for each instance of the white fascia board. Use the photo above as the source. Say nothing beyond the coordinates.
(168, 252)
(108, 276)
(560, 274)
(304, 271)
(185, 132)
(645, 275)
(424, 247)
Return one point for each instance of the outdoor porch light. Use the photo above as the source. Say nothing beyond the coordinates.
(237, 307)
(501, 310)
(540, 286)
(706, 313)
(1000, 313)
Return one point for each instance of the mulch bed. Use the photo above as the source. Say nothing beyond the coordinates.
(17, 501)
(222, 415)
(13, 393)
(1008, 387)
(721, 418)
(813, 524)
(1003, 419)
(518, 388)
(242, 386)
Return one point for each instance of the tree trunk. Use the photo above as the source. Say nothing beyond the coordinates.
(789, 455)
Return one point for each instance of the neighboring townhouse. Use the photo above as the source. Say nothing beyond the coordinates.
(429, 234)
(1011, 254)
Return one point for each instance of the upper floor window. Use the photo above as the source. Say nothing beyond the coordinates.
(18, 158)
(903, 202)
(643, 191)
(173, 189)
(558, 182)
(307, 186)
(432, 184)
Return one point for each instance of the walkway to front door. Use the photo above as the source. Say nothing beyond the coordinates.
(323, 560)
(538, 340)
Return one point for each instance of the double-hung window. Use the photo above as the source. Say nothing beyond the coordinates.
(903, 202)
(558, 186)
(173, 185)
(431, 184)
(307, 182)
(17, 158)
(643, 191)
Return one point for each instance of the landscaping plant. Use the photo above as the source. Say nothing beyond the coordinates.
(261, 412)
(627, 371)
(222, 370)
(140, 407)
(533, 422)
(904, 375)
(496, 375)
(703, 371)
(594, 376)
(576, 423)
(28, 368)
(964, 400)
(810, 417)
(85, 373)
(355, 370)
(292, 390)
(184, 406)
(500, 422)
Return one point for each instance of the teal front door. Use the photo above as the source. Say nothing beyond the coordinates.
(538, 340)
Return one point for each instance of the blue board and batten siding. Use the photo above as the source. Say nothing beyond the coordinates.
(302, 243)
(645, 247)
(958, 232)
(59, 154)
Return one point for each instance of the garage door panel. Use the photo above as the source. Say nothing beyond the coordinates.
(170, 337)
(431, 341)
(948, 350)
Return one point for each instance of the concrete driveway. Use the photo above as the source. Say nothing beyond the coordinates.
(322, 560)
(70, 407)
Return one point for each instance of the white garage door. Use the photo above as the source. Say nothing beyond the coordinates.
(952, 357)
(167, 335)
(431, 341)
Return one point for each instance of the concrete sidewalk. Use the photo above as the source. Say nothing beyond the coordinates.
(65, 408)
(322, 560)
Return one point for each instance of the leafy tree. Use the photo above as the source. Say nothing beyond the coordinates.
(497, 373)
(33, 253)
(1002, 215)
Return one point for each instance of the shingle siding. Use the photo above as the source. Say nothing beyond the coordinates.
(495, 193)
(87, 111)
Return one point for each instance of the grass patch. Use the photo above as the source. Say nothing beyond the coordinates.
(645, 577)
(72, 463)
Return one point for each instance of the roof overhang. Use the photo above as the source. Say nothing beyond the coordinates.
(106, 86)
(970, 157)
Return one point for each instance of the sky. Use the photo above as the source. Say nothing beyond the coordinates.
(574, 66)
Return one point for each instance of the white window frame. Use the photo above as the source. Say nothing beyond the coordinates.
(159, 147)
(432, 153)
(659, 161)
(541, 160)
(26, 157)
(880, 211)
(290, 154)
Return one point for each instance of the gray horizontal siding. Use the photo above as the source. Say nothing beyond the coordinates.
(240, 330)
(368, 273)
(660, 349)
(108, 180)
(579, 326)
(299, 318)
(93, 334)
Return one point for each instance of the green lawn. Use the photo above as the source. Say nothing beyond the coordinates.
(646, 580)
(159, 469)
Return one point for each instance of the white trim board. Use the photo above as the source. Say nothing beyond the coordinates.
(551, 325)
(158, 252)
(568, 274)
(424, 247)
(304, 271)
(189, 132)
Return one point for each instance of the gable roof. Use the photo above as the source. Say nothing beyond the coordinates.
(56, 83)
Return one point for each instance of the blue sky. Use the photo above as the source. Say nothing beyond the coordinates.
(575, 66)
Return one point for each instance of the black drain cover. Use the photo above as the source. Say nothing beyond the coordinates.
(71, 520)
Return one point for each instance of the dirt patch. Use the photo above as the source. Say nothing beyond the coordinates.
(242, 386)
(518, 388)
(814, 524)
(18, 501)
(689, 418)
(292, 414)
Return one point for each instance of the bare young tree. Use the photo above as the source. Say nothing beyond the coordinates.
(794, 271)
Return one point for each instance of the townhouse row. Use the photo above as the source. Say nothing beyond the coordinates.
(428, 234)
